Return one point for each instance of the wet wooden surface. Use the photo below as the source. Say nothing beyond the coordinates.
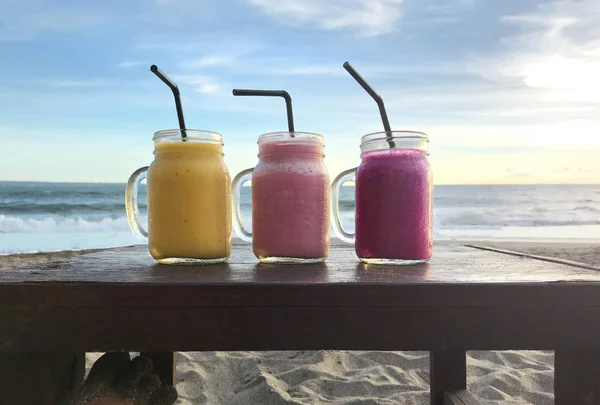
(459, 398)
(465, 298)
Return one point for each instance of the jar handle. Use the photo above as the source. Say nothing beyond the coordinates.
(336, 221)
(238, 225)
(131, 201)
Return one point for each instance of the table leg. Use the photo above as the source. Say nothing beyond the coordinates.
(164, 366)
(577, 377)
(447, 372)
(40, 378)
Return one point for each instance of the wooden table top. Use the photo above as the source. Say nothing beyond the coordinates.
(463, 298)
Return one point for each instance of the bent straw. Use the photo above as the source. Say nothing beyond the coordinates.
(176, 94)
(378, 100)
(272, 93)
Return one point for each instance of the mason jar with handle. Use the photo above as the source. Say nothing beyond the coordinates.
(394, 199)
(290, 199)
(189, 199)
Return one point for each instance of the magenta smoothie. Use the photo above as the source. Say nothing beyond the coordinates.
(290, 199)
(394, 193)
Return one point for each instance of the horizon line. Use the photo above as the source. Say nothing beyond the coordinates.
(445, 184)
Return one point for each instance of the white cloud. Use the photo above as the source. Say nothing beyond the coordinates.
(200, 83)
(208, 88)
(557, 51)
(131, 63)
(292, 68)
(25, 20)
(367, 17)
(192, 79)
(436, 12)
(207, 61)
(307, 70)
(79, 83)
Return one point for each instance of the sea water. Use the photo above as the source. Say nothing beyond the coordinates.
(38, 217)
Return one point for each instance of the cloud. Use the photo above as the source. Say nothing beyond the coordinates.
(436, 12)
(200, 83)
(131, 63)
(26, 20)
(510, 173)
(556, 49)
(208, 88)
(207, 61)
(366, 17)
(79, 83)
(307, 70)
(292, 68)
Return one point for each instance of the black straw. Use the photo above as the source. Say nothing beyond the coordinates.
(176, 94)
(377, 98)
(272, 93)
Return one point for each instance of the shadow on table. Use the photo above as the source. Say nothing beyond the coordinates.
(291, 273)
(191, 273)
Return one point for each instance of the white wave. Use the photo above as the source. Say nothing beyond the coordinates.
(57, 224)
(55, 241)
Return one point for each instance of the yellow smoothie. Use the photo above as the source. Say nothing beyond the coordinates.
(189, 202)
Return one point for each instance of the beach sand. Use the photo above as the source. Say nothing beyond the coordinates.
(353, 377)
(30, 259)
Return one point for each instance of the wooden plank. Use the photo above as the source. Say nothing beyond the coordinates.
(460, 398)
(577, 377)
(455, 277)
(113, 296)
(298, 328)
(163, 366)
(144, 295)
(463, 299)
(538, 257)
(450, 264)
(447, 372)
(40, 378)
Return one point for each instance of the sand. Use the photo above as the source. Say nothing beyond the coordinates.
(358, 377)
(30, 259)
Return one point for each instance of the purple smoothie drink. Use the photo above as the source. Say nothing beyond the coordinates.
(393, 205)
(394, 195)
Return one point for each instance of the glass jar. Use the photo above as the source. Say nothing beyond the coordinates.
(394, 199)
(290, 199)
(189, 199)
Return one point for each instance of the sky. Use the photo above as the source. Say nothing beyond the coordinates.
(508, 91)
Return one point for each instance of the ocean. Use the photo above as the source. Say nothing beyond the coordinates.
(38, 217)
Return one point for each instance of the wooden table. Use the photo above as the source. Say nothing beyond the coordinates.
(464, 299)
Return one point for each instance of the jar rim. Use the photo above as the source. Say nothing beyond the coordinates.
(287, 136)
(394, 140)
(403, 134)
(192, 135)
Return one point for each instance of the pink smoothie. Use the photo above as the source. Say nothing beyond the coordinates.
(290, 200)
(394, 193)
